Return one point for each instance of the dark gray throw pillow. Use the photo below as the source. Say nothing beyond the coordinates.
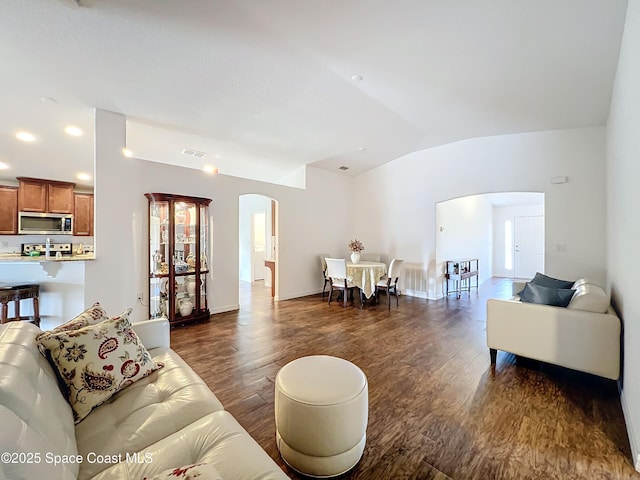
(546, 281)
(557, 297)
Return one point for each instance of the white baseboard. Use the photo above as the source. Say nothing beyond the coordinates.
(225, 308)
(413, 293)
(635, 453)
(297, 295)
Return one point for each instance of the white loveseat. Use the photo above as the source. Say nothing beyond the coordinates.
(584, 336)
(166, 420)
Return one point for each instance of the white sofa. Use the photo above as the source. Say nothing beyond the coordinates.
(584, 336)
(166, 420)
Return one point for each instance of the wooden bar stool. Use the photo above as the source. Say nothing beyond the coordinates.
(15, 294)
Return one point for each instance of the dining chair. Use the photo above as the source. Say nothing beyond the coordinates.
(337, 272)
(323, 263)
(370, 257)
(390, 283)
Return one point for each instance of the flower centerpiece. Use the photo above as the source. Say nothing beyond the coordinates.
(356, 248)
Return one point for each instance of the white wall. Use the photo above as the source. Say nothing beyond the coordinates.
(623, 228)
(250, 204)
(466, 233)
(308, 225)
(396, 201)
(500, 216)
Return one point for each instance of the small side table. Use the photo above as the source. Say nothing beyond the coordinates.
(15, 294)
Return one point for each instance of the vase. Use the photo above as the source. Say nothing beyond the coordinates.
(355, 257)
(186, 306)
(191, 285)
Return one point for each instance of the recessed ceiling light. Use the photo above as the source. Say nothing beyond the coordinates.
(210, 169)
(357, 78)
(343, 167)
(25, 136)
(127, 153)
(4, 166)
(362, 149)
(73, 131)
(49, 100)
(83, 176)
(217, 156)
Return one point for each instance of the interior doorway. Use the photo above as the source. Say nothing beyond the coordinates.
(257, 249)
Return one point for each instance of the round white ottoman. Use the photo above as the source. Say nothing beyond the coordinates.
(321, 408)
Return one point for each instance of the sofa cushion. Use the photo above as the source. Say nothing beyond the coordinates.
(97, 361)
(144, 413)
(546, 281)
(556, 297)
(216, 438)
(591, 298)
(199, 471)
(34, 416)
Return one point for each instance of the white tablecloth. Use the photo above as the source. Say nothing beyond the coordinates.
(366, 274)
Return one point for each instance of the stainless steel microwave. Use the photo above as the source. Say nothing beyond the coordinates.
(45, 223)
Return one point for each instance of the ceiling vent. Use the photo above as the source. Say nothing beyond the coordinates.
(193, 153)
(344, 167)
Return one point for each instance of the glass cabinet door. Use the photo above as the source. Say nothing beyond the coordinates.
(204, 261)
(184, 257)
(159, 250)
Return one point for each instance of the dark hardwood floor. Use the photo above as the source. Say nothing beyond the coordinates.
(437, 409)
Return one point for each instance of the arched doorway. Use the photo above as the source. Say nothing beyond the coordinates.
(504, 231)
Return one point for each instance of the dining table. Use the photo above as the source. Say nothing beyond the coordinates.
(365, 275)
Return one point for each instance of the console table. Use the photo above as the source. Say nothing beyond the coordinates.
(461, 272)
(15, 294)
(271, 265)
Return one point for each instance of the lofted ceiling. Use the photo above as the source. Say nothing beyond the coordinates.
(265, 87)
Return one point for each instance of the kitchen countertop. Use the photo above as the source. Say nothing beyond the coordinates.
(17, 258)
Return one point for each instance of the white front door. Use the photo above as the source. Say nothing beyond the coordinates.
(258, 244)
(529, 246)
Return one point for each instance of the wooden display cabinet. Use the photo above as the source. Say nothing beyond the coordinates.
(178, 257)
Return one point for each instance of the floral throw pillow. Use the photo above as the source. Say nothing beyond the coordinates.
(91, 316)
(97, 361)
(201, 471)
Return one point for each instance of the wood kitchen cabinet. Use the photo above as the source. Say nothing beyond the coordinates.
(8, 210)
(45, 196)
(83, 214)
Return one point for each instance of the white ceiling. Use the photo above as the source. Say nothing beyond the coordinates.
(265, 86)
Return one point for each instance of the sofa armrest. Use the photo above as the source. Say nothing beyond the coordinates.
(581, 340)
(154, 334)
(517, 287)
